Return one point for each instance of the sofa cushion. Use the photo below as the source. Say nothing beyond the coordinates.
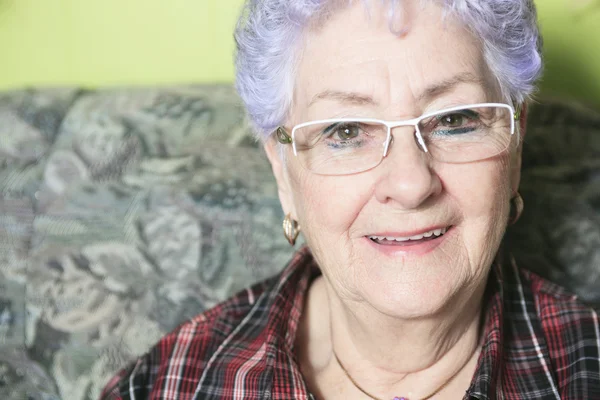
(131, 210)
(558, 236)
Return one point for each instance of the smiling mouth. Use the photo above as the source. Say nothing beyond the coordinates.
(402, 241)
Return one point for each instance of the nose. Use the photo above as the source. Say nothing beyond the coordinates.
(406, 175)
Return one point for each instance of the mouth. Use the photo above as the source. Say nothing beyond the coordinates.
(392, 240)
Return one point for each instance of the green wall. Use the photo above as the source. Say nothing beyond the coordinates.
(112, 42)
(119, 42)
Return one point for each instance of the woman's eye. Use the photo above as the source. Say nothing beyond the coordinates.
(453, 120)
(342, 132)
(347, 132)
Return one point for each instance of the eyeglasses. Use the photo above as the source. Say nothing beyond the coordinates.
(454, 135)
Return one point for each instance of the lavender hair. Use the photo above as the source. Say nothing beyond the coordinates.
(268, 38)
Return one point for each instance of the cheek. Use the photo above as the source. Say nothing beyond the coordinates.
(327, 205)
(481, 193)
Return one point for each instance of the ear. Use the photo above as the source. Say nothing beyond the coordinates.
(281, 177)
(515, 173)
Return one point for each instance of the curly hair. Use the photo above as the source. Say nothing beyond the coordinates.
(269, 32)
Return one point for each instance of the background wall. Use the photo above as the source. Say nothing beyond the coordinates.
(120, 42)
(111, 42)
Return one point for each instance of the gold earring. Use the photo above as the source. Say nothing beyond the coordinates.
(516, 209)
(291, 230)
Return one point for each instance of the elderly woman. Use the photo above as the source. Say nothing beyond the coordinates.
(394, 130)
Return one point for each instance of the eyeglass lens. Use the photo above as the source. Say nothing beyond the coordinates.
(351, 146)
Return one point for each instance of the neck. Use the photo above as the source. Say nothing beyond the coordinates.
(389, 356)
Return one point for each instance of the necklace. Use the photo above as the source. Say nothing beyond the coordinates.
(396, 397)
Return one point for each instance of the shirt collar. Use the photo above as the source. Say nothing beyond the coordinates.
(487, 372)
(278, 310)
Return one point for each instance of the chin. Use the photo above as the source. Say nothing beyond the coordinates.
(412, 301)
(420, 283)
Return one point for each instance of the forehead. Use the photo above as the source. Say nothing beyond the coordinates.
(354, 50)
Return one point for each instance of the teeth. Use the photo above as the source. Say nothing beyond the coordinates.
(435, 232)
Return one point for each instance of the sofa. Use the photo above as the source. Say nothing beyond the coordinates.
(124, 212)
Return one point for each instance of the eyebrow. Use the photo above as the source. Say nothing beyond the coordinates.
(435, 90)
(445, 86)
(353, 98)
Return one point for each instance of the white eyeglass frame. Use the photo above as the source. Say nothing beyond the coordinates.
(408, 122)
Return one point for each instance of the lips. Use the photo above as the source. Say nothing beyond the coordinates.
(397, 239)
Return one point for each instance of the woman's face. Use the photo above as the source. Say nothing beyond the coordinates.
(353, 66)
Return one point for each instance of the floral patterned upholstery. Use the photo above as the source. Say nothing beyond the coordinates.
(124, 212)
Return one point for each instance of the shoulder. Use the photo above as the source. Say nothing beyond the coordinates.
(555, 303)
(543, 307)
(217, 341)
(570, 333)
(175, 363)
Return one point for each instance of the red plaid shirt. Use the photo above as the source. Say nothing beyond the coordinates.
(540, 343)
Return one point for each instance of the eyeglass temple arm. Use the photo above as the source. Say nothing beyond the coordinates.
(282, 136)
(518, 110)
